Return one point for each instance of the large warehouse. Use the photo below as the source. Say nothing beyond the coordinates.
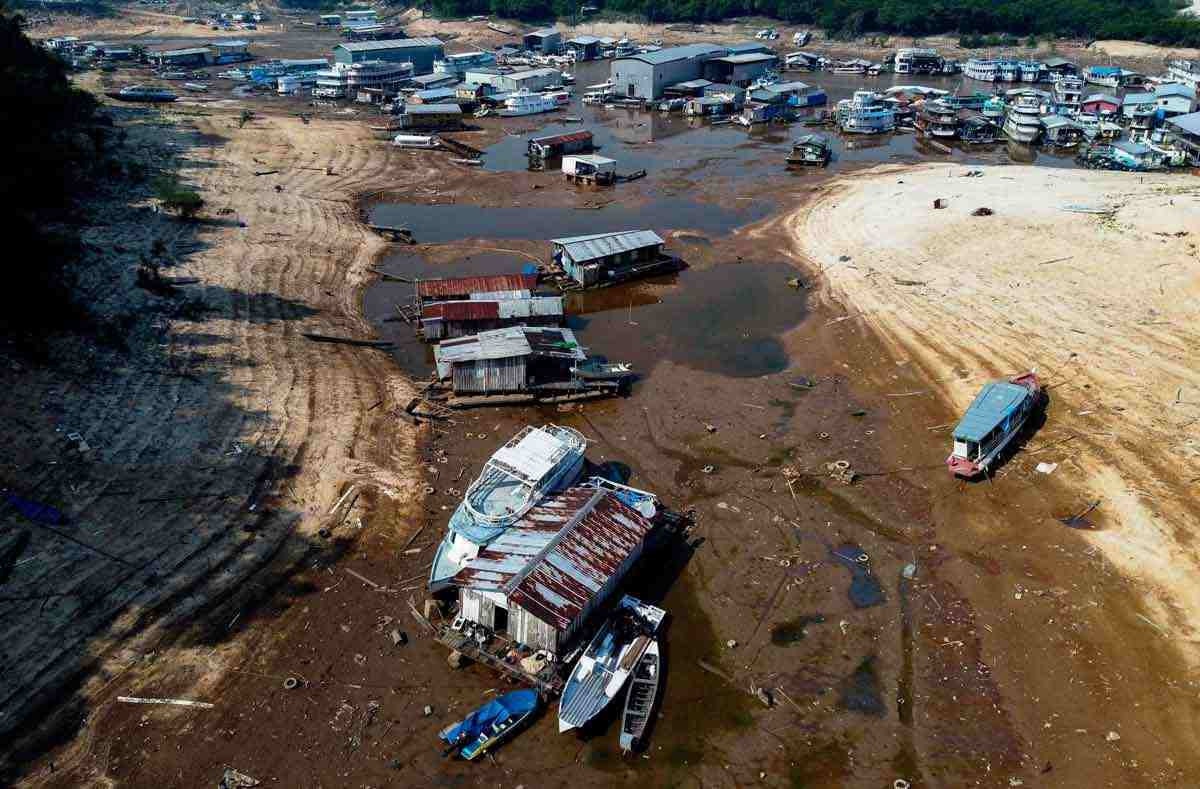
(644, 76)
(421, 52)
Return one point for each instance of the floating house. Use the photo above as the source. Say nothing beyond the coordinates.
(192, 56)
(450, 319)
(421, 52)
(1060, 66)
(546, 41)
(552, 146)
(1175, 99)
(1185, 71)
(646, 75)
(1101, 104)
(584, 47)
(231, 51)
(739, 69)
(1184, 133)
(793, 94)
(810, 149)
(590, 169)
(544, 576)
(606, 258)
(431, 117)
(343, 80)
(1062, 131)
(918, 60)
(514, 360)
(487, 288)
(532, 80)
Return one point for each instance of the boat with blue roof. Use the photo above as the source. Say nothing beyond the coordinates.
(533, 464)
(499, 719)
(991, 422)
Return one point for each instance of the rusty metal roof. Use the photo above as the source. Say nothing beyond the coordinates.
(560, 555)
(462, 310)
(554, 139)
(460, 286)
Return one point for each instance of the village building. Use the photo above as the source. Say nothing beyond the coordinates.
(181, 58)
(457, 65)
(1057, 65)
(490, 287)
(507, 361)
(532, 80)
(740, 69)
(1101, 104)
(235, 51)
(431, 117)
(421, 52)
(647, 75)
(546, 41)
(540, 581)
(605, 258)
(589, 169)
(551, 146)
(342, 80)
(1184, 132)
(584, 47)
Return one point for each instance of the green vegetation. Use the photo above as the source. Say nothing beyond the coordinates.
(1156, 21)
(51, 143)
(175, 197)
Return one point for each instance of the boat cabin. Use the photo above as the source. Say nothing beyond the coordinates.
(539, 581)
(589, 169)
(990, 423)
(551, 146)
(810, 149)
(513, 360)
(1061, 130)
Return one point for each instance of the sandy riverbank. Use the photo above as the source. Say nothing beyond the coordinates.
(220, 437)
(1103, 305)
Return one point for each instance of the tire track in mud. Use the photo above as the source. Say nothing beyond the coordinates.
(299, 261)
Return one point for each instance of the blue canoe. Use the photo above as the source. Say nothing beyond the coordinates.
(491, 723)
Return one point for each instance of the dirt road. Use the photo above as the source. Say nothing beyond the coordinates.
(219, 440)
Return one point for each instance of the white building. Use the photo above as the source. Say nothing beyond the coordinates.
(342, 80)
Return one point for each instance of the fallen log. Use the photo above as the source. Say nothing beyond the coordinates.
(345, 340)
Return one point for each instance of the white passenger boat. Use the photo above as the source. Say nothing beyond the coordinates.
(533, 464)
(1023, 122)
(145, 93)
(608, 661)
(865, 114)
(524, 102)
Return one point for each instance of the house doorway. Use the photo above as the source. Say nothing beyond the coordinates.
(500, 620)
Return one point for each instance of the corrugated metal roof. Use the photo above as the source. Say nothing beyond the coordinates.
(432, 109)
(1175, 89)
(544, 32)
(1105, 97)
(390, 43)
(475, 310)
(593, 159)
(507, 343)
(180, 52)
(743, 47)
(533, 72)
(584, 40)
(991, 406)
(555, 139)
(462, 311)
(599, 245)
(560, 555)
(449, 287)
(746, 57)
(1189, 124)
(672, 54)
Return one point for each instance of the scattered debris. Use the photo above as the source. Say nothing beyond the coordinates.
(731, 643)
(291, 683)
(428, 710)
(1046, 468)
(1112, 736)
(1080, 521)
(982, 211)
(865, 589)
(232, 779)
(939, 202)
(173, 702)
(840, 470)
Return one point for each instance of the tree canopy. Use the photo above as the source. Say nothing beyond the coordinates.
(1155, 21)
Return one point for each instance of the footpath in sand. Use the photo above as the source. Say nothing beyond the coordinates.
(1104, 305)
(220, 438)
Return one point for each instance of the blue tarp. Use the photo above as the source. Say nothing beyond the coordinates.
(994, 404)
(510, 705)
(34, 511)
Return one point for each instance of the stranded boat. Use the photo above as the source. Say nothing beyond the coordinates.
(997, 414)
(608, 661)
(810, 149)
(865, 114)
(500, 718)
(144, 93)
(535, 463)
(1023, 123)
(639, 700)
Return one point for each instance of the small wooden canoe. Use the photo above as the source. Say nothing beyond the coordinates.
(639, 699)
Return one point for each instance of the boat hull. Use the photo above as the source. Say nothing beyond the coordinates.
(969, 469)
(640, 698)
